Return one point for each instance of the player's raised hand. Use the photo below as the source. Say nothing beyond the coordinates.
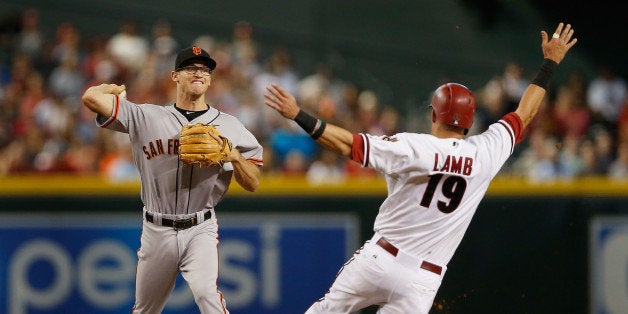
(556, 47)
(98, 98)
(282, 101)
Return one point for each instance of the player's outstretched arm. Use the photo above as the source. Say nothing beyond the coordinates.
(99, 99)
(554, 50)
(330, 136)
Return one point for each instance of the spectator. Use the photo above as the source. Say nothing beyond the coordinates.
(30, 40)
(129, 48)
(389, 121)
(570, 163)
(546, 166)
(116, 162)
(618, 169)
(571, 118)
(589, 158)
(248, 112)
(33, 144)
(223, 95)
(83, 126)
(622, 123)
(53, 117)
(295, 163)
(539, 161)
(292, 147)
(35, 92)
(66, 80)
(222, 54)
(164, 48)
(243, 46)
(368, 113)
(21, 69)
(514, 85)
(604, 150)
(34, 70)
(12, 157)
(145, 87)
(323, 81)
(326, 169)
(67, 44)
(606, 95)
(98, 65)
(491, 105)
(278, 69)
(81, 158)
(577, 83)
(348, 107)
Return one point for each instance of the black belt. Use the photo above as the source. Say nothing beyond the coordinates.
(179, 224)
(394, 250)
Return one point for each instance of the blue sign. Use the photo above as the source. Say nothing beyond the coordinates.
(609, 264)
(86, 263)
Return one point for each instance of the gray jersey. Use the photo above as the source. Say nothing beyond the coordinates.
(169, 186)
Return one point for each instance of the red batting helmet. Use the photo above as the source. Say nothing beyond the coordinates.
(454, 104)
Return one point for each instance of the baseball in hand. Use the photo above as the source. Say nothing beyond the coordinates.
(122, 94)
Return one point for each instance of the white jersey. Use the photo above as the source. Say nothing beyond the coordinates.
(169, 186)
(434, 184)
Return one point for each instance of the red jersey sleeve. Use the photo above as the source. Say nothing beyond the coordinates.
(513, 122)
(359, 149)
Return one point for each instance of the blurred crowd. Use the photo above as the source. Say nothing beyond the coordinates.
(581, 129)
(44, 129)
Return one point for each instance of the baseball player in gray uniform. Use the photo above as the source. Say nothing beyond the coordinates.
(180, 230)
(435, 183)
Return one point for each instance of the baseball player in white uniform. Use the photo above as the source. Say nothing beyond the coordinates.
(180, 230)
(435, 183)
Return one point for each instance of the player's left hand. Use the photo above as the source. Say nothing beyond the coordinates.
(282, 101)
(556, 48)
(203, 145)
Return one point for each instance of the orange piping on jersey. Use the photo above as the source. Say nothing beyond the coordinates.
(256, 161)
(114, 114)
(136, 266)
(222, 298)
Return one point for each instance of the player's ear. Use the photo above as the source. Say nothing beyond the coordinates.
(174, 75)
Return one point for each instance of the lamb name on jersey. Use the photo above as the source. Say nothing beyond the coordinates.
(454, 164)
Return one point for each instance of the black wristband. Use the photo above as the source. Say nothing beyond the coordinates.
(320, 128)
(313, 126)
(544, 76)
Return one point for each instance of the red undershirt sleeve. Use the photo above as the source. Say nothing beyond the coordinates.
(358, 149)
(516, 124)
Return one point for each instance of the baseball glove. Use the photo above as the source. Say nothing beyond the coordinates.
(197, 146)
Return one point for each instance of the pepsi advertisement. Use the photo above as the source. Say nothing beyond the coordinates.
(81, 263)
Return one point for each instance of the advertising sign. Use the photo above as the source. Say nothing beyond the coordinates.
(71, 263)
(609, 264)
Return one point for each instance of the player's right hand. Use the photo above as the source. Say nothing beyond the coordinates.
(556, 48)
(282, 101)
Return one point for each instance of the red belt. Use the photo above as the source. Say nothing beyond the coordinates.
(394, 250)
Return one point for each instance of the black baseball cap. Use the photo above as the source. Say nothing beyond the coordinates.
(194, 53)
